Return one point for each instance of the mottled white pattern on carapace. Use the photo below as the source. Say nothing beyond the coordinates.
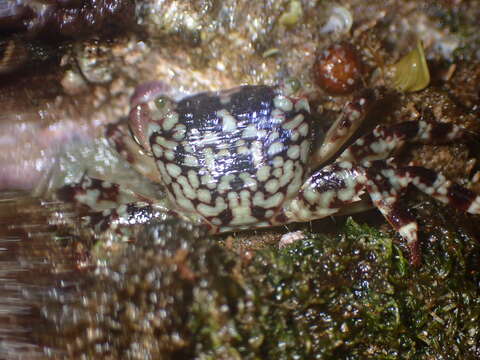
(220, 165)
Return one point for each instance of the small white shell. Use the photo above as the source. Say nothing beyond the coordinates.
(339, 21)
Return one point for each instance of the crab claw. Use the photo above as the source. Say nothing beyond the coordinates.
(139, 113)
(345, 126)
(138, 121)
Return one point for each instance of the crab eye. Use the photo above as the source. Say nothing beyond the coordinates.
(162, 105)
(161, 102)
(292, 85)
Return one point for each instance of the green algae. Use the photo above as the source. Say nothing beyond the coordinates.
(352, 295)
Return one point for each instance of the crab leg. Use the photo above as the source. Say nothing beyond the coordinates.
(386, 184)
(433, 184)
(127, 214)
(384, 140)
(120, 218)
(96, 194)
(340, 184)
(326, 192)
(110, 207)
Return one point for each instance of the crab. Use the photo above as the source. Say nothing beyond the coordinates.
(243, 158)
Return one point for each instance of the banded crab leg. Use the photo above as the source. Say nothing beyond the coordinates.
(387, 183)
(343, 182)
(384, 140)
(93, 194)
(99, 201)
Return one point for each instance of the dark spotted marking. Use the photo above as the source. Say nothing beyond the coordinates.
(384, 140)
(426, 176)
(98, 221)
(225, 217)
(460, 197)
(116, 134)
(259, 212)
(328, 179)
(132, 214)
(72, 192)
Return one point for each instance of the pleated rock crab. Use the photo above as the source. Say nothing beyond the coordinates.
(243, 158)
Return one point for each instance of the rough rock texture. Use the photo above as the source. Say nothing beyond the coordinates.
(60, 83)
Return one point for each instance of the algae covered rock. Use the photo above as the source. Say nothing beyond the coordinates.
(178, 294)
